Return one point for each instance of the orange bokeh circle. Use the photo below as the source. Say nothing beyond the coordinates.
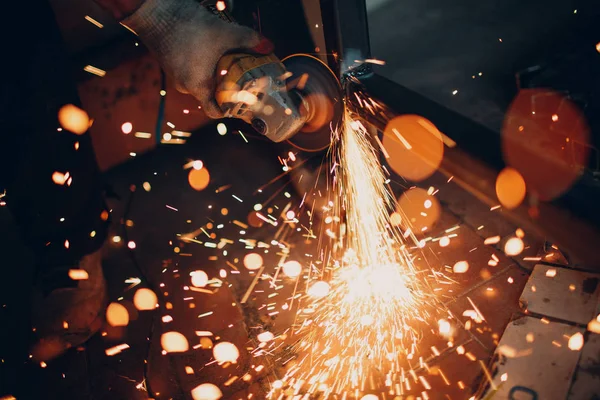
(546, 138)
(199, 178)
(419, 211)
(414, 147)
(254, 220)
(510, 188)
(73, 119)
(253, 261)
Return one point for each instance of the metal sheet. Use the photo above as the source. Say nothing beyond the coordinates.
(562, 293)
(586, 384)
(534, 361)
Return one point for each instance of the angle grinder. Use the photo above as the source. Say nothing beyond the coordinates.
(298, 99)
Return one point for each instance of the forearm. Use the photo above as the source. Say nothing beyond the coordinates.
(120, 9)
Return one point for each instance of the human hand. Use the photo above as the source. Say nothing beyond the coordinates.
(189, 41)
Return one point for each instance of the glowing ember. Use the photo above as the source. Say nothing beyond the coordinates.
(253, 261)
(59, 178)
(198, 178)
(576, 342)
(127, 128)
(174, 342)
(319, 289)
(226, 352)
(206, 391)
(145, 299)
(264, 337)
(444, 327)
(199, 278)
(395, 219)
(460, 267)
(551, 273)
(292, 269)
(222, 129)
(197, 164)
(444, 241)
(514, 246)
(78, 274)
(73, 119)
(117, 315)
(510, 188)
(594, 325)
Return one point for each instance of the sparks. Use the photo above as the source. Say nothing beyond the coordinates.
(361, 322)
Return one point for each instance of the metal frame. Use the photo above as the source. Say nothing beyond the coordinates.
(572, 222)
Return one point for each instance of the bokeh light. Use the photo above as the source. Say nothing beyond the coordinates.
(292, 268)
(513, 246)
(444, 327)
(206, 391)
(78, 274)
(319, 289)
(197, 164)
(117, 315)
(412, 206)
(264, 337)
(414, 146)
(206, 342)
(59, 178)
(226, 352)
(145, 299)
(253, 261)
(174, 342)
(199, 278)
(460, 267)
(73, 119)
(199, 178)
(576, 342)
(444, 241)
(546, 138)
(510, 188)
(127, 128)
(395, 219)
(254, 220)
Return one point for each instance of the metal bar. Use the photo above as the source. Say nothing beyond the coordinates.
(353, 32)
(330, 31)
(346, 31)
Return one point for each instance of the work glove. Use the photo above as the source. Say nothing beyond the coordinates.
(189, 40)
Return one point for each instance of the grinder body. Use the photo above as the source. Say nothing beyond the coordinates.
(279, 98)
(253, 88)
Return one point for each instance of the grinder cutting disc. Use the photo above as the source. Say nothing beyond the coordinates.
(322, 94)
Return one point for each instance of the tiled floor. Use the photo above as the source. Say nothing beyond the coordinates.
(171, 208)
